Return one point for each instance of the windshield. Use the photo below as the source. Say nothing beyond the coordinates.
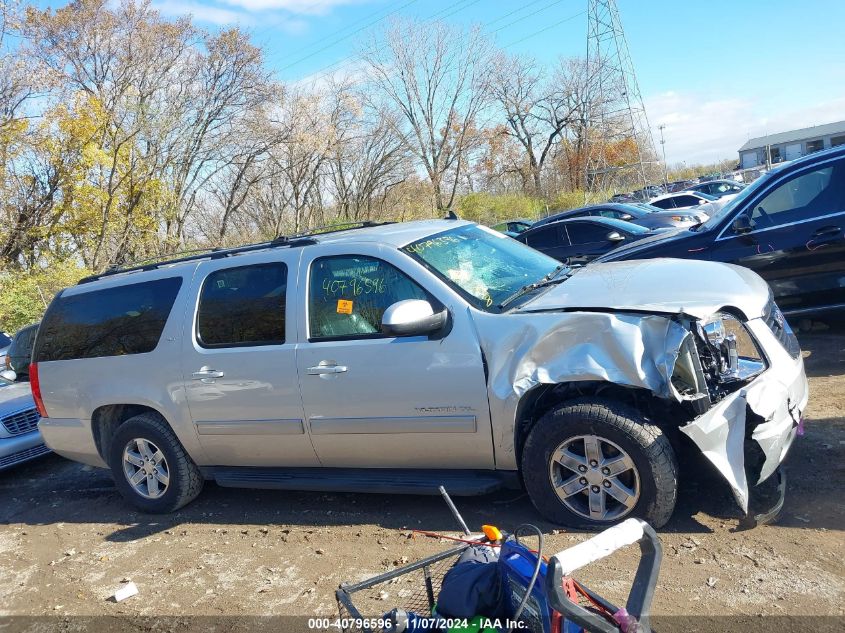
(485, 267)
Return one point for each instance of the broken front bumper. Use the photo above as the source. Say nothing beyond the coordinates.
(747, 434)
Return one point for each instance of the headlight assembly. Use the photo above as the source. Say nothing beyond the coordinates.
(736, 354)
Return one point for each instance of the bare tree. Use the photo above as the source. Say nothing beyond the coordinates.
(366, 158)
(542, 111)
(228, 88)
(436, 78)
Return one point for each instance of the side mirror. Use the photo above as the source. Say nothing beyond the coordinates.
(626, 217)
(9, 374)
(615, 236)
(412, 317)
(743, 224)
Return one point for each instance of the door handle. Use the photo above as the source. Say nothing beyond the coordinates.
(827, 231)
(321, 369)
(207, 372)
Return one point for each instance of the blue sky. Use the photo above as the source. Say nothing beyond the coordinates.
(714, 72)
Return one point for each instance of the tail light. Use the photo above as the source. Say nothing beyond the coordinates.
(35, 384)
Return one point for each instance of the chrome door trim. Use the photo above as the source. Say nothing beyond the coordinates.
(250, 427)
(378, 426)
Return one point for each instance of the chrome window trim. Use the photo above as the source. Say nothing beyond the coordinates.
(772, 186)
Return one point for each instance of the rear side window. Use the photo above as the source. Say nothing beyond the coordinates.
(243, 306)
(115, 321)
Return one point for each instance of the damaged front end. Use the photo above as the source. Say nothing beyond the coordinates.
(734, 378)
(744, 384)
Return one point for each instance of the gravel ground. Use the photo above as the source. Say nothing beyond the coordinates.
(67, 540)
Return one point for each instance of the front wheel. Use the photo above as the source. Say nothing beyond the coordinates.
(150, 466)
(591, 463)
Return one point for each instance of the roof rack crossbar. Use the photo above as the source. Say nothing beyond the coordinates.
(298, 239)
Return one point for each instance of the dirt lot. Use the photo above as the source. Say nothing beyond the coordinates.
(67, 540)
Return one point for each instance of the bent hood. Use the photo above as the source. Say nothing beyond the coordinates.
(662, 285)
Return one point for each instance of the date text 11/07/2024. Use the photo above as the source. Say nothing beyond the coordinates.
(420, 624)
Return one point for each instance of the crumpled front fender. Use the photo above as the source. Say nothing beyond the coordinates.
(525, 350)
(640, 350)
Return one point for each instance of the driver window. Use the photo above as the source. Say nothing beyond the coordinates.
(348, 295)
(813, 193)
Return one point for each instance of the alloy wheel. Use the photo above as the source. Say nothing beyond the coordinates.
(594, 478)
(145, 468)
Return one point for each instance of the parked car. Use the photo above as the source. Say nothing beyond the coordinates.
(20, 440)
(635, 212)
(396, 358)
(513, 227)
(683, 200)
(682, 217)
(787, 226)
(717, 188)
(20, 351)
(648, 192)
(679, 185)
(581, 240)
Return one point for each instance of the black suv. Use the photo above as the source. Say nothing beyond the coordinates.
(787, 226)
(20, 351)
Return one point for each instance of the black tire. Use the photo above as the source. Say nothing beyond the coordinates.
(185, 478)
(646, 445)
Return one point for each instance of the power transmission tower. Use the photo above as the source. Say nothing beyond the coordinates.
(617, 110)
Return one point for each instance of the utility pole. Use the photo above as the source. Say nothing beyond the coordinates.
(621, 114)
(662, 127)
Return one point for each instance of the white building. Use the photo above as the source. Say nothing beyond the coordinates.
(791, 145)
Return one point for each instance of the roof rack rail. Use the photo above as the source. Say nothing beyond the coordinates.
(340, 226)
(298, 239)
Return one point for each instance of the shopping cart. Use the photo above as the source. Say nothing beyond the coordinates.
(414, 588)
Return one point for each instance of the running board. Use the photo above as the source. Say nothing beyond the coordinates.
(374, 480)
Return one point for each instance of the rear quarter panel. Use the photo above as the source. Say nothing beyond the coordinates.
(74, 389)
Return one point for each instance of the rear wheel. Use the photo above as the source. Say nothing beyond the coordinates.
(592, 463)
(150, 467)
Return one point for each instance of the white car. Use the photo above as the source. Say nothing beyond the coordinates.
(20, 440)
(690, 200)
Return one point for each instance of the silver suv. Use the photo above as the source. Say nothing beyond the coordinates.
(398, 357)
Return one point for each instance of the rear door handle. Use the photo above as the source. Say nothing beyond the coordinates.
(207, 372)
(322, 369)
(827, 231)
